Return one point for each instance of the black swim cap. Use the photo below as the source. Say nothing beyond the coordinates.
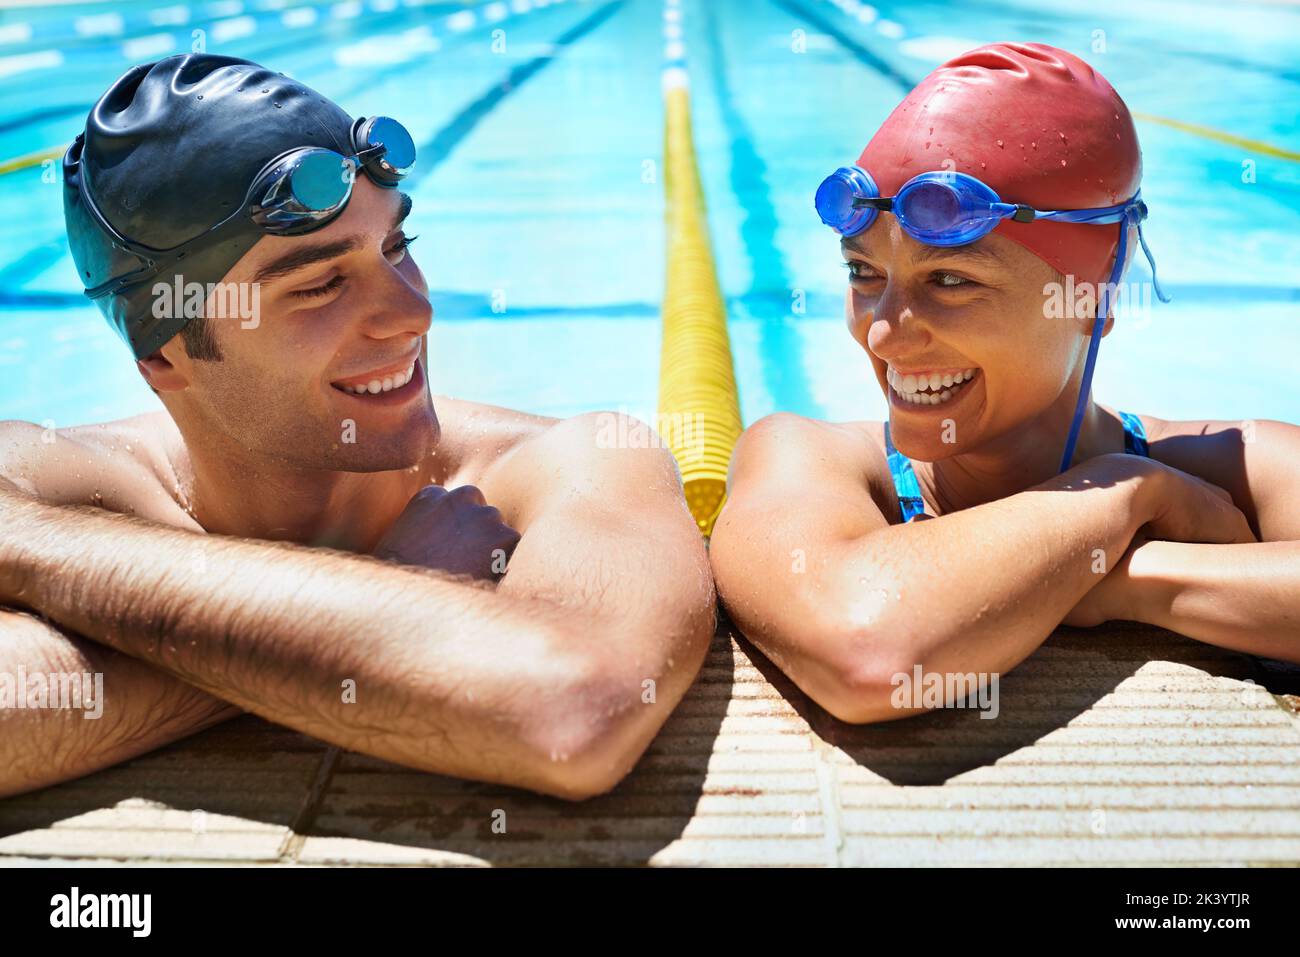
(170, 151)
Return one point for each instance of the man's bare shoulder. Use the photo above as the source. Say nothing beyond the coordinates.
(476, 436)
(484, 438)
(596, 456)
(125, 465)
(599, 441)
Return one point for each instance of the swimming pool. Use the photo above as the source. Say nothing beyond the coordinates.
(539, 204)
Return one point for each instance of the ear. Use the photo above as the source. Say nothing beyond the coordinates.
(1086, 322)
(167, 369)
(1128, 262)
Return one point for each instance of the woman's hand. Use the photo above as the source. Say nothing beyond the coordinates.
(1118, 596)
(1183, 508)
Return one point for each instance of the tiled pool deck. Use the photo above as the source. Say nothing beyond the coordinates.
(1121, 745)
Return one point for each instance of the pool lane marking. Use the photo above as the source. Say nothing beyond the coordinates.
(40, 258)
(455, 306)
(31, 159)
(748, 176)
(1220, 136)
(699, 406)
(216, 23)
(872, 60)
(853, 46)
(464, 122)
(25, 267)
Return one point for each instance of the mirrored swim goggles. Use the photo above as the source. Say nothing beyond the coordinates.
(952, 209)
(298, 191)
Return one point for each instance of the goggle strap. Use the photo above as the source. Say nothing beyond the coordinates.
(1101, 217)
(1151, 261)
(1085, 385)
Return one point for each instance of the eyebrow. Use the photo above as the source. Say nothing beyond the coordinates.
(303, 256)
(972, 251)
(981, 254)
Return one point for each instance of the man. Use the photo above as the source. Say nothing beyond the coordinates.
(218, 556)
(957, 536)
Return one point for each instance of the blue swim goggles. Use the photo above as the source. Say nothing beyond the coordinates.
(296, 192)
(952, 209)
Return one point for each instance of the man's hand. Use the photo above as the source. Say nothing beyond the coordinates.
(451, 531)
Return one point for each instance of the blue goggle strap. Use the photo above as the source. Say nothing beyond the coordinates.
(1085, 386)
(1134, 211)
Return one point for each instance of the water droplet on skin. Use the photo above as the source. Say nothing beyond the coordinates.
(1062, 162)
(1033, 144)
(999, 144)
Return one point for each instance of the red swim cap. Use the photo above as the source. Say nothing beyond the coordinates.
(1038, 125)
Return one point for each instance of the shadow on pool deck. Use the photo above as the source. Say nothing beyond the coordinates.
(1123, 744)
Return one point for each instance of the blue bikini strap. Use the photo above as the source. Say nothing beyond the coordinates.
(909, 490)
(905, 484)
(1135, 437)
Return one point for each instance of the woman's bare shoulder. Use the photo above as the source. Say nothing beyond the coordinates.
(1254, 460)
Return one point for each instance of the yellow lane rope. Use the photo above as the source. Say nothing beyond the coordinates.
(31, 159)
(1255, 146)
(699, 407)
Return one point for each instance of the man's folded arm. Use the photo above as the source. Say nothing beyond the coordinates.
(399, 663)
(44, 746)
(40, 746)
(607, 535)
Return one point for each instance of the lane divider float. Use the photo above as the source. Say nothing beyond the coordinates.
(699, 406)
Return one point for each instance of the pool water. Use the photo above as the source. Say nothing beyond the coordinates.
(539, 200)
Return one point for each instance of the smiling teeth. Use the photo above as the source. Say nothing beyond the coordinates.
(386, 384)
(932, 388)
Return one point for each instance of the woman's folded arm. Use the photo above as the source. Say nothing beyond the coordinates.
(814, 574)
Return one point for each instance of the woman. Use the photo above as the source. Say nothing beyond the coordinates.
(957, 536)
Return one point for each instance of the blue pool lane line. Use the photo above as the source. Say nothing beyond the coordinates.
(863, 54)
(779, 342)
(439, 147)
(433, 152)
(385, 14)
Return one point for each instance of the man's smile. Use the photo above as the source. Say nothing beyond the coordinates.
(388, 378)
